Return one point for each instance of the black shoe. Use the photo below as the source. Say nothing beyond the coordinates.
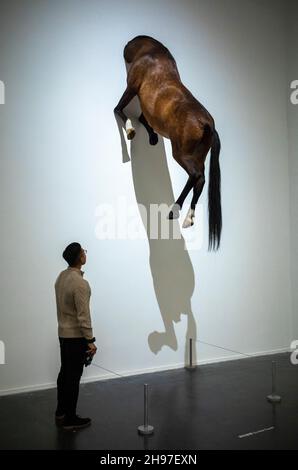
(70, 424)
(59, 420)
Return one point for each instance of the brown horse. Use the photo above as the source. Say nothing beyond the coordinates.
(169, 109)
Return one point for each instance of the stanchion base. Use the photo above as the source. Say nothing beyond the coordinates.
(145, 430)
(274, 398)
(190, 368)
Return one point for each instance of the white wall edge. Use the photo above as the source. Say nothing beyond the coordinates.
(149, 370)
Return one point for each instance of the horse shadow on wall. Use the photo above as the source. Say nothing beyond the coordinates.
(171, 268)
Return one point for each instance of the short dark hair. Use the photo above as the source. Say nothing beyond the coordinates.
(71, 253)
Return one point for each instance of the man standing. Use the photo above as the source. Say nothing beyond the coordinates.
(75, 335)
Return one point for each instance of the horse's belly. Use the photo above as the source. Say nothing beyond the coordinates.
(156, 124)
(161, 132)
(158, 109)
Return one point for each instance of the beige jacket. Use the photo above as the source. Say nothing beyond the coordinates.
(72, 299)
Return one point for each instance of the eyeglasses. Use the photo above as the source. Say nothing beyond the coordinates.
(85, 251)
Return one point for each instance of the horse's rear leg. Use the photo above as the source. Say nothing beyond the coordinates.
(153, 137)
(174, 213)
(197, 190)
(127, 96)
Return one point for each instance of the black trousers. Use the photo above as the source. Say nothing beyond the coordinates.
(73, 353)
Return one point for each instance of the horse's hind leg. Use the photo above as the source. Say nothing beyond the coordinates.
(197, 190)
(190, 165)
(174, 213)
(196, 167)
(127, 96)
(153, 137)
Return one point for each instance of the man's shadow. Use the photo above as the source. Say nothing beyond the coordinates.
(171, 267)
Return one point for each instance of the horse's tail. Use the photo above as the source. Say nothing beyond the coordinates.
(214, 198)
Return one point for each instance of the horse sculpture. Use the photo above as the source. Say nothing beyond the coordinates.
(169, 109)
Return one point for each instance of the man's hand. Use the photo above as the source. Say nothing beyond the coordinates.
(92, 348)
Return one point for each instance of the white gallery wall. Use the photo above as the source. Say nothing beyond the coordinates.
(292, 21)
(62, 160)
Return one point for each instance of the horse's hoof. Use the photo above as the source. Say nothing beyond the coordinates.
(153, 139)
(189, 219)
(187, 223)
(174, 213)
(130, 133)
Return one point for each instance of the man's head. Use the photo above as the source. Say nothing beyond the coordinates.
(74, 255)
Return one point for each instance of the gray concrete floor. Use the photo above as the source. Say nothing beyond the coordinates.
(204, 409)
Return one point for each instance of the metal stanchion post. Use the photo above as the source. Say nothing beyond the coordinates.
(273, 397)
(190, 366)
(145, 428)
